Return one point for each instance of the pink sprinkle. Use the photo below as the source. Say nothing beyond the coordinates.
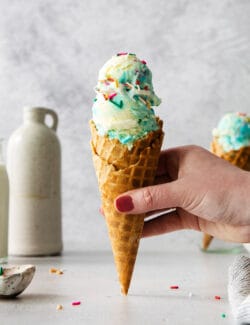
(112, 95)
(143, 61)
(122, 53)
(76, 303)
(217, 297)
(241, 114)
(174, 287)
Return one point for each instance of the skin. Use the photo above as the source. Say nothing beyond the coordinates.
(208, 194)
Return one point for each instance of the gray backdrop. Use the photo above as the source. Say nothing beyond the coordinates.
(50, 54)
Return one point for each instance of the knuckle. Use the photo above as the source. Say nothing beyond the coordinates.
(147, 198)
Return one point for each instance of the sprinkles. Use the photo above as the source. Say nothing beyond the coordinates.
(217, 297)
(143, 62)
(128, 85)
(142, 100)
(1, 270)
(111, 96)
(122, 53)
(56, 271)
(174, 287)
(76, 303)
(116, 101)
(59, 307)
(223, 315)
(241, 114)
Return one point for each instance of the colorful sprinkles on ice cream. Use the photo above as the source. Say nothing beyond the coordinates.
(124, 99)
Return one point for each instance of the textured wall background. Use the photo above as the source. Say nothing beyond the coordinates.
(50, 54)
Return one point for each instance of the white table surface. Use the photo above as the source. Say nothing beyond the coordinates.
(90, 277)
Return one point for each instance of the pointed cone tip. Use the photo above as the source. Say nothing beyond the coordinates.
(124, 290)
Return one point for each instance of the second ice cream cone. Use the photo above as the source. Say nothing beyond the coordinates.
(231, 142)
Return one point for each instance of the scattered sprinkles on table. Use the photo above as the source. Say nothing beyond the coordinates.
(124, 99)
(223, 315)
(174, 287)
(76, 303)
(1, 270)
(217, 297)
(55, 270)
(59, 307)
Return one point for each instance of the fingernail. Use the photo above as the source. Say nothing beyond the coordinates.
(124, 203)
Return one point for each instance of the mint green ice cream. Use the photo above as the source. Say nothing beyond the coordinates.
(233, 131)
(124, 98)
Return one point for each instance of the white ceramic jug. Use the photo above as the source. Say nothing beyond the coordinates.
(34, 167)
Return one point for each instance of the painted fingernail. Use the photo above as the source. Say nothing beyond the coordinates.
(124, 203)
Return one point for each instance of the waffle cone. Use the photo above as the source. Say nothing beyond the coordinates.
(239, 158)
(119, 170)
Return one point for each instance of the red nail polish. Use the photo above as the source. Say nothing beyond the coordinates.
(124, 203)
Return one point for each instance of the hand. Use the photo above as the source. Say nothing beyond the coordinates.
(208, 194)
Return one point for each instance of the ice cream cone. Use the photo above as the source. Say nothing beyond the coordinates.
(119, 169)
(239, 158)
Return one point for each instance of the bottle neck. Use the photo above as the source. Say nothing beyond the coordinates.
(35, 115)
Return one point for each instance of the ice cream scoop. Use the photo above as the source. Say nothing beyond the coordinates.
(124, 98)
(233, 131)
(15, 279)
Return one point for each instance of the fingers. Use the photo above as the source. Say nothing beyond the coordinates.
(163, 224)
(163, 196)
(168, 164)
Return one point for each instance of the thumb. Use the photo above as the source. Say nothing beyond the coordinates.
(163, 196)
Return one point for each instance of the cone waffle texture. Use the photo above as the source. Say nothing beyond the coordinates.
(119, 170)
(239, 158)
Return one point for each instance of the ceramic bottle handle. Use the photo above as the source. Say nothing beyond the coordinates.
(54, 118)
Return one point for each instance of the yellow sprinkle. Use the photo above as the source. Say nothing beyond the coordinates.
(59, 307)
(116, 83)
(53, 270)
(148, 105)
(59, 272)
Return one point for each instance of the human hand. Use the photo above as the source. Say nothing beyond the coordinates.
(208, 194)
